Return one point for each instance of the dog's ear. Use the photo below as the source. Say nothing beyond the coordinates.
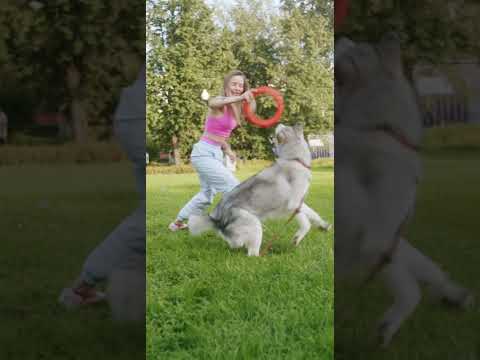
(298, 128)
(389, 47)
(344, 69)
(342, 45)
(280, 138)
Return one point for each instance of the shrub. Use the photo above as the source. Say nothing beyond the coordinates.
(71, 153)
(458, 136)
(156, 168)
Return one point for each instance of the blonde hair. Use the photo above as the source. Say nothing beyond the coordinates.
(237, 112)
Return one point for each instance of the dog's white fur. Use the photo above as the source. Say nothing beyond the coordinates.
(126, 295)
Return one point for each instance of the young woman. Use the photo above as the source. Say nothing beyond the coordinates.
(224, 115)
(126, 243)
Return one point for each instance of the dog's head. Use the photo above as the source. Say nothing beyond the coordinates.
(371, 90)
(289, 143)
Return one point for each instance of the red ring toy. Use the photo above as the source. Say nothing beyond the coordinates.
(341, 11)
(264, 123)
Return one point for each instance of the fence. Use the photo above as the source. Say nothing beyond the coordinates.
(442, 110)
(321, 153)
(321, 146)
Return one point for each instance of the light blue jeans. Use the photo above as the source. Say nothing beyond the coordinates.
(207, 159)
(125, 245)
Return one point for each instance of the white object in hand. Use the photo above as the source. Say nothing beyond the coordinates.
(205, 95)
(229, 164)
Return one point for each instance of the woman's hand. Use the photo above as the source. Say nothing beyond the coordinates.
(227, 150)
(219, 102)
(231, 155)
(248, 96)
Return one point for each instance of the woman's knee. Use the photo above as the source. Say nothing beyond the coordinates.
(229, 184)
(207, 197)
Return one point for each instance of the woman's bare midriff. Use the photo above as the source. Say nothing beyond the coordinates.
(217, 138)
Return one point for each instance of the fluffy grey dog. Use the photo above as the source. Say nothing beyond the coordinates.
(377, 131)
(277, 191)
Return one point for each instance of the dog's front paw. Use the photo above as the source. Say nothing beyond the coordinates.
(464, 300)
(457, 296)
(296, 240)
(385, 332)
(468, 302)
(326, 228)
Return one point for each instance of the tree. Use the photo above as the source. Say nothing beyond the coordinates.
(253, 26)
(57, 46)
(432, 31)
(182, 60)
(291, 49)
(190, 48)
(306, 72)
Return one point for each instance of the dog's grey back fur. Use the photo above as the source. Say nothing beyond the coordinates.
(271, 192)
(277, 191)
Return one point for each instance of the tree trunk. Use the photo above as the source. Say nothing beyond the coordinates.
(3, 128)
(79, 121)
(409, 69)
(77, 107)
(176, 151)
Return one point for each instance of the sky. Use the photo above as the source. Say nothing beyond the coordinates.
(229, 3)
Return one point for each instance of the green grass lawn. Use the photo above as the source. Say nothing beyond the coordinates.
(445, 227)
(206, 301)
(51, 218)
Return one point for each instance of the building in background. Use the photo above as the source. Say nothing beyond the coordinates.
(449, 93)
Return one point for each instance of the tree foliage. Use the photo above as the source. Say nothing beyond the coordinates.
(73, 54)
(432, 31)
(191, 46)
(182, 60)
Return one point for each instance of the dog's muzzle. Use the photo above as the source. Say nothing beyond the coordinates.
(279, 128)
(273, 142)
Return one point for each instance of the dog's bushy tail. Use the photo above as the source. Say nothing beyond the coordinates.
(200, 223)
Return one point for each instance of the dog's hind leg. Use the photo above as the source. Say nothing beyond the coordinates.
(403, 276)
(305, 226)
(245, 230)
(314, 218)
(406, 293)
(429, 273)
(253, 237)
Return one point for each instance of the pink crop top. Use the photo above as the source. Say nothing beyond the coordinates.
(221, 125)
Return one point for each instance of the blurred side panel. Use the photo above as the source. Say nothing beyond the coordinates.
(72, 159)
(407, 141)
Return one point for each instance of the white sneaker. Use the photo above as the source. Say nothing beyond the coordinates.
(71, 300)
(175, 226)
